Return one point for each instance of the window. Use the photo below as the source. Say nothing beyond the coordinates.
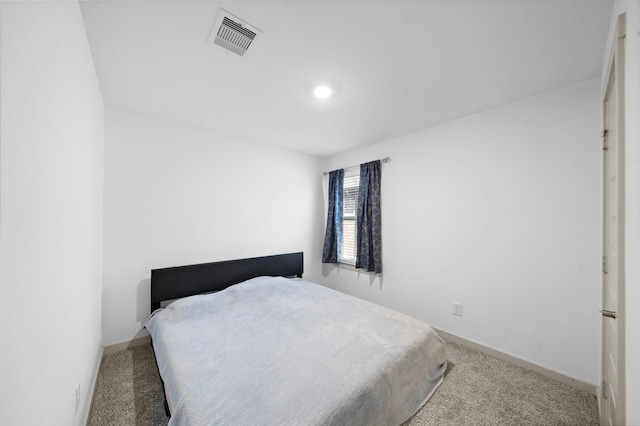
(352, 234)
(350, 209)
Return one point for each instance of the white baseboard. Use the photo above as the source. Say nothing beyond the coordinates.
(547, 372)
(94, 381)
(127, 344)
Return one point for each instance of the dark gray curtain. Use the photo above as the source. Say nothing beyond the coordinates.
(369, 243)
(333, 234)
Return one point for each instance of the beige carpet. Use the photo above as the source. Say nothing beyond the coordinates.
(477, 390)
(127, 389)
(483, 390)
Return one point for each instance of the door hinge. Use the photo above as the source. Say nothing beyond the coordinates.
(603, 136)
(604, 390)
(608, 314)
(604, 264)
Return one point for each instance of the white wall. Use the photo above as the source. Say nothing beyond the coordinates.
(51, 150)
(499, 211)
(175, 195)
(632, 197)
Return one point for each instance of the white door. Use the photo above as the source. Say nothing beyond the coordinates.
(612, 401)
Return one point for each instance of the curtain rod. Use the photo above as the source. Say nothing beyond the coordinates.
(384, 160)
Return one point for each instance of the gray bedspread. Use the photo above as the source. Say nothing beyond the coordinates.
(275, 351)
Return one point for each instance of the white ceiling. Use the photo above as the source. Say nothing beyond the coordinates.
(401, 65)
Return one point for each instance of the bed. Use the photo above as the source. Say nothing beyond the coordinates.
(249, 342)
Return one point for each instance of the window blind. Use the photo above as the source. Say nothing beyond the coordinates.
(350, 208)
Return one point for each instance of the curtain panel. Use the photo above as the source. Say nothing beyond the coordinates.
(333, 233)
(369, 242)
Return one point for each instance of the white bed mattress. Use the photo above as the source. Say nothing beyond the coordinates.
(274, 351)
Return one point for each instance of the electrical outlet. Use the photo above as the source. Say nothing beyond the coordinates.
(78, 396)
(457, 309)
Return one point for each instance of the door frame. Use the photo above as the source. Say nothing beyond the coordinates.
(615, 69)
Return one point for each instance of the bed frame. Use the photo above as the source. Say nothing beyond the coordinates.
(182, 281)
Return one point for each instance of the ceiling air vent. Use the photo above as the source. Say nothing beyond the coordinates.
(233, 34)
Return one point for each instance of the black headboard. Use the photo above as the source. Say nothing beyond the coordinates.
(183, 281)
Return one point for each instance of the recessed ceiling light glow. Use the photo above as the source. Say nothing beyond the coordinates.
(323, 91)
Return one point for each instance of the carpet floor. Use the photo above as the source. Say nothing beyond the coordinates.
(477, 390)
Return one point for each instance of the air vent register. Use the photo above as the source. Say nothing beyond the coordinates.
(233, 34)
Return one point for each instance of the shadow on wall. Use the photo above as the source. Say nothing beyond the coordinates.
(143, 300)
(329, 269)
